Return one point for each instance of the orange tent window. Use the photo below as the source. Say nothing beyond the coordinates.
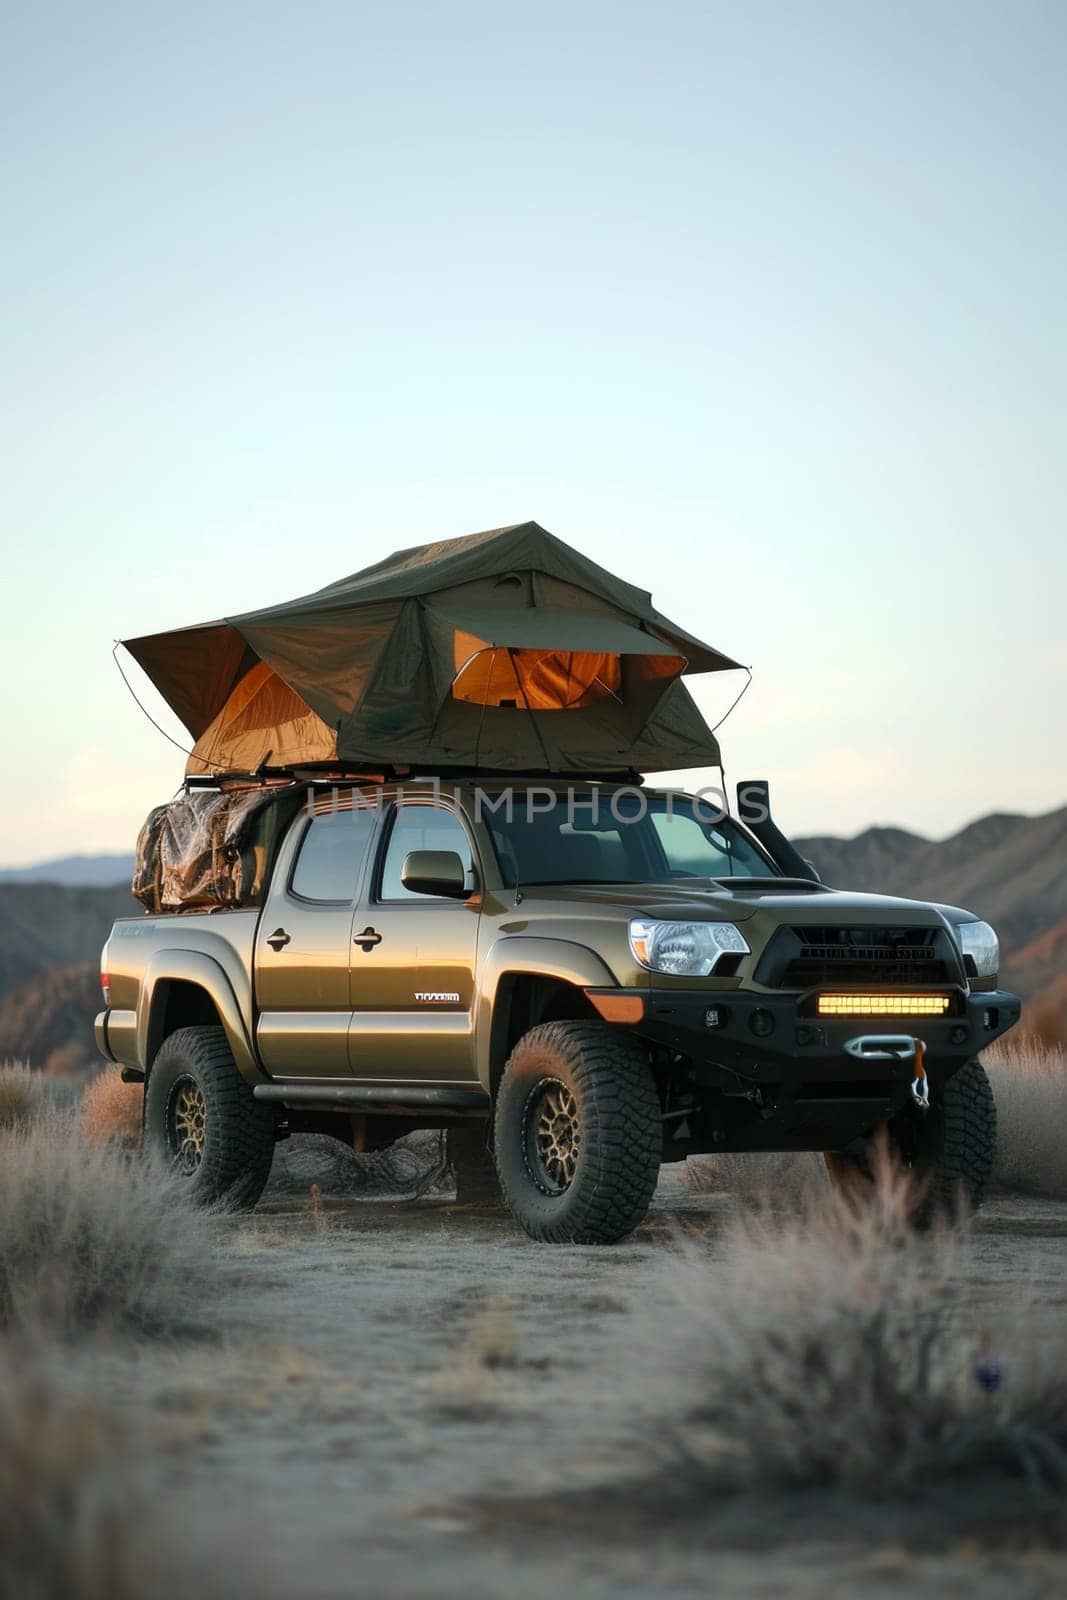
(538, 680)
(262, 718)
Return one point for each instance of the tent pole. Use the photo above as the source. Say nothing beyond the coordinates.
(481, 719)
(529, 708)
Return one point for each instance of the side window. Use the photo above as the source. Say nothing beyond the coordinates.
(331, 855)
(418, 827)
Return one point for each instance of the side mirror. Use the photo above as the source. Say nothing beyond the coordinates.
(437, 872)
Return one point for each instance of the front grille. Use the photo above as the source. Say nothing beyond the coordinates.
(898, 958)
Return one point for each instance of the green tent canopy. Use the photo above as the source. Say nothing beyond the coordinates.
(504, 651)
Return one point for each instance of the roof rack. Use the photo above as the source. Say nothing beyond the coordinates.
(328, 773)
(265, 777)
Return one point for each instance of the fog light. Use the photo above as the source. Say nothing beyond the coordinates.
(958, 1036)
(762, 1023)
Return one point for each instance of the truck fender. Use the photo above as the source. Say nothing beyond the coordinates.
(204, 972)
(571, 963)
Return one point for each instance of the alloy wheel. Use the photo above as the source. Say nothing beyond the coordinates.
(187, 1125)
(553, 1136)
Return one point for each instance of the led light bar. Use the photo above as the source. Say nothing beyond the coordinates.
(883, 1005)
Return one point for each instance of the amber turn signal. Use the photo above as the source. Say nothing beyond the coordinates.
(618, 1007)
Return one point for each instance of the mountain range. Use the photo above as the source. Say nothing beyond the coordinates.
(1011, 870)
(101, 871)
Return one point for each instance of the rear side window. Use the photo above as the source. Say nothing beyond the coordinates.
(331, 855)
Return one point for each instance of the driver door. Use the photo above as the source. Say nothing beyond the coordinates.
(414, 960)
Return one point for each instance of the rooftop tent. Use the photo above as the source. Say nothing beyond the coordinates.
(263, 718)
(505, 650)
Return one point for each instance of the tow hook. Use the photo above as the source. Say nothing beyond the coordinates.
(900, 1047)
(920, 1084)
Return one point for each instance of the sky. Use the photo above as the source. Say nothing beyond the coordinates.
(760, 306)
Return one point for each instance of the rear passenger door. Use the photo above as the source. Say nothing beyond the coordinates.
(304, 942)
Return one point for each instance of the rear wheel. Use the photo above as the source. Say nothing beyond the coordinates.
(951, 1149)
(202, 1118)
(579, 1136)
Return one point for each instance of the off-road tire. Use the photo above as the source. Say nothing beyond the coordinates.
(951, 1149)
(471, 1162)
(238, 1131)
(607, 1077)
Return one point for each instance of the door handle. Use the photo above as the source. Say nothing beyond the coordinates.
(367, 940)
(278, 939)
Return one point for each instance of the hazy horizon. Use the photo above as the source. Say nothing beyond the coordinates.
(128, 849)
(760, 309)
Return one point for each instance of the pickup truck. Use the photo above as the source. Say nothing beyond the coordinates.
(579, 981)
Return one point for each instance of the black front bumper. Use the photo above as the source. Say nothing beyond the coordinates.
(779, 1038)
(745, 1071)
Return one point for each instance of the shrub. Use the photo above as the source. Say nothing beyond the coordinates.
(90, 1237)
(1030, 1087)
(831, 1348)
(52, 1010)
(111, 1109)
(73, 1061)
(20, 1093)
(84, 1503)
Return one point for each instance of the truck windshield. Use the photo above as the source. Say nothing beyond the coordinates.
(654, 838)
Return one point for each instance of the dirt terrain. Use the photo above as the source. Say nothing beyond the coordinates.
(419, 1401)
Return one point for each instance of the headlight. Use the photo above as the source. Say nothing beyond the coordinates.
(688, 949)
(977, 940)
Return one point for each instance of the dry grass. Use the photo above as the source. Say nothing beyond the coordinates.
(784, 1176)
(479, 1376)
(68, 1489)
(1029, 1081)
(20, 1094)
(111, 1109)
(831, 1348)
(92, 1238)
(493, 1338)
(86, 1508)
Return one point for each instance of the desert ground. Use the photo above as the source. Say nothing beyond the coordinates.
(409, 1397)
(444, 1403)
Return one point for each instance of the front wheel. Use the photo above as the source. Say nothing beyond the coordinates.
(578, 1134)
(951, 1149)
(202, 1118)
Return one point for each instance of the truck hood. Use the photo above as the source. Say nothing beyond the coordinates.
(792, 900)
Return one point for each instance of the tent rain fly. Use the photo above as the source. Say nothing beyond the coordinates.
(504, 651)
